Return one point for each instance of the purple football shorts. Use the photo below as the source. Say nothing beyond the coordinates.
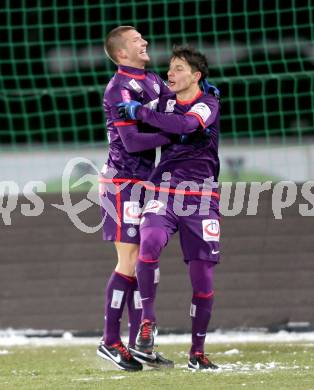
(121, 204)
(195, 217)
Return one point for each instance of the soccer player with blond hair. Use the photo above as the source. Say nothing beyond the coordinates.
(131, 159)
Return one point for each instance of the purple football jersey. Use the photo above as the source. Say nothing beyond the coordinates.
(196, 161)
(130, 84)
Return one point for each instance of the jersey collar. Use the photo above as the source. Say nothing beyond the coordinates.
(190, 101)
(133, 73)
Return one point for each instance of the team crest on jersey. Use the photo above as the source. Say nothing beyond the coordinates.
(153, 206)
(131, 232)
(156, 88)
(135, 86)
(131, 212)
(170, 105)
(211, 230)
(202, 110)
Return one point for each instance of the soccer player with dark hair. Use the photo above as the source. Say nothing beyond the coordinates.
(131, 159)
(193, 116)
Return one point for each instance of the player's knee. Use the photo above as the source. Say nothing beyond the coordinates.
(153, 240)
(201, 276)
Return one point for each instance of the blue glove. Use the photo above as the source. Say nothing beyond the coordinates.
(127, 110)
(210, 88)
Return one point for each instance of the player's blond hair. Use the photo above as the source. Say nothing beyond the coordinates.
(114, 41)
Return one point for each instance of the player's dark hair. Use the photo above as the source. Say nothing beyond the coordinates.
(196, 60)
(114, 40)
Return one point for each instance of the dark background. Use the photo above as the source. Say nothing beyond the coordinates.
(42, 104)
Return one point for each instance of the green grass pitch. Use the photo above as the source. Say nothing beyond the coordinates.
(243, 366)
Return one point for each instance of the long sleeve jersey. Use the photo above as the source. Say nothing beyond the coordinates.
(131, 144)
(186, 162)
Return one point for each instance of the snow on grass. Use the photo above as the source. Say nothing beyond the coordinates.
(243, 368)
(12, 337)
(88, 379)
(117, 377)
(232, 352)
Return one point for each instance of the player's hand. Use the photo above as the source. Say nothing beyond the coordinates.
(127, 110)
(210, 88)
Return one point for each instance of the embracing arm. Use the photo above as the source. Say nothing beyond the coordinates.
(201, 115)
(170, 123)
(134, 141)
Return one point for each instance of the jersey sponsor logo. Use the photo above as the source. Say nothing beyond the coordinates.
(126, 97)
(136, 86)
(137, 300)
(170, 105)
(215, 252)
(202, 110)
(211, 230)
(152, 105)
(201, 334)
(153, 206)
(116, 300)
(192, 310)
(131, 212)
(156, 88)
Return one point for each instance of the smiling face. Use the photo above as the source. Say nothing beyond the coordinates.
(181, 78)
(133, 52)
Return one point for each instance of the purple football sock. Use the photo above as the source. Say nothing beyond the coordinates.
(201, 275)
(147, 268)
(148, 278)
(116, 293)
(134, 311)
